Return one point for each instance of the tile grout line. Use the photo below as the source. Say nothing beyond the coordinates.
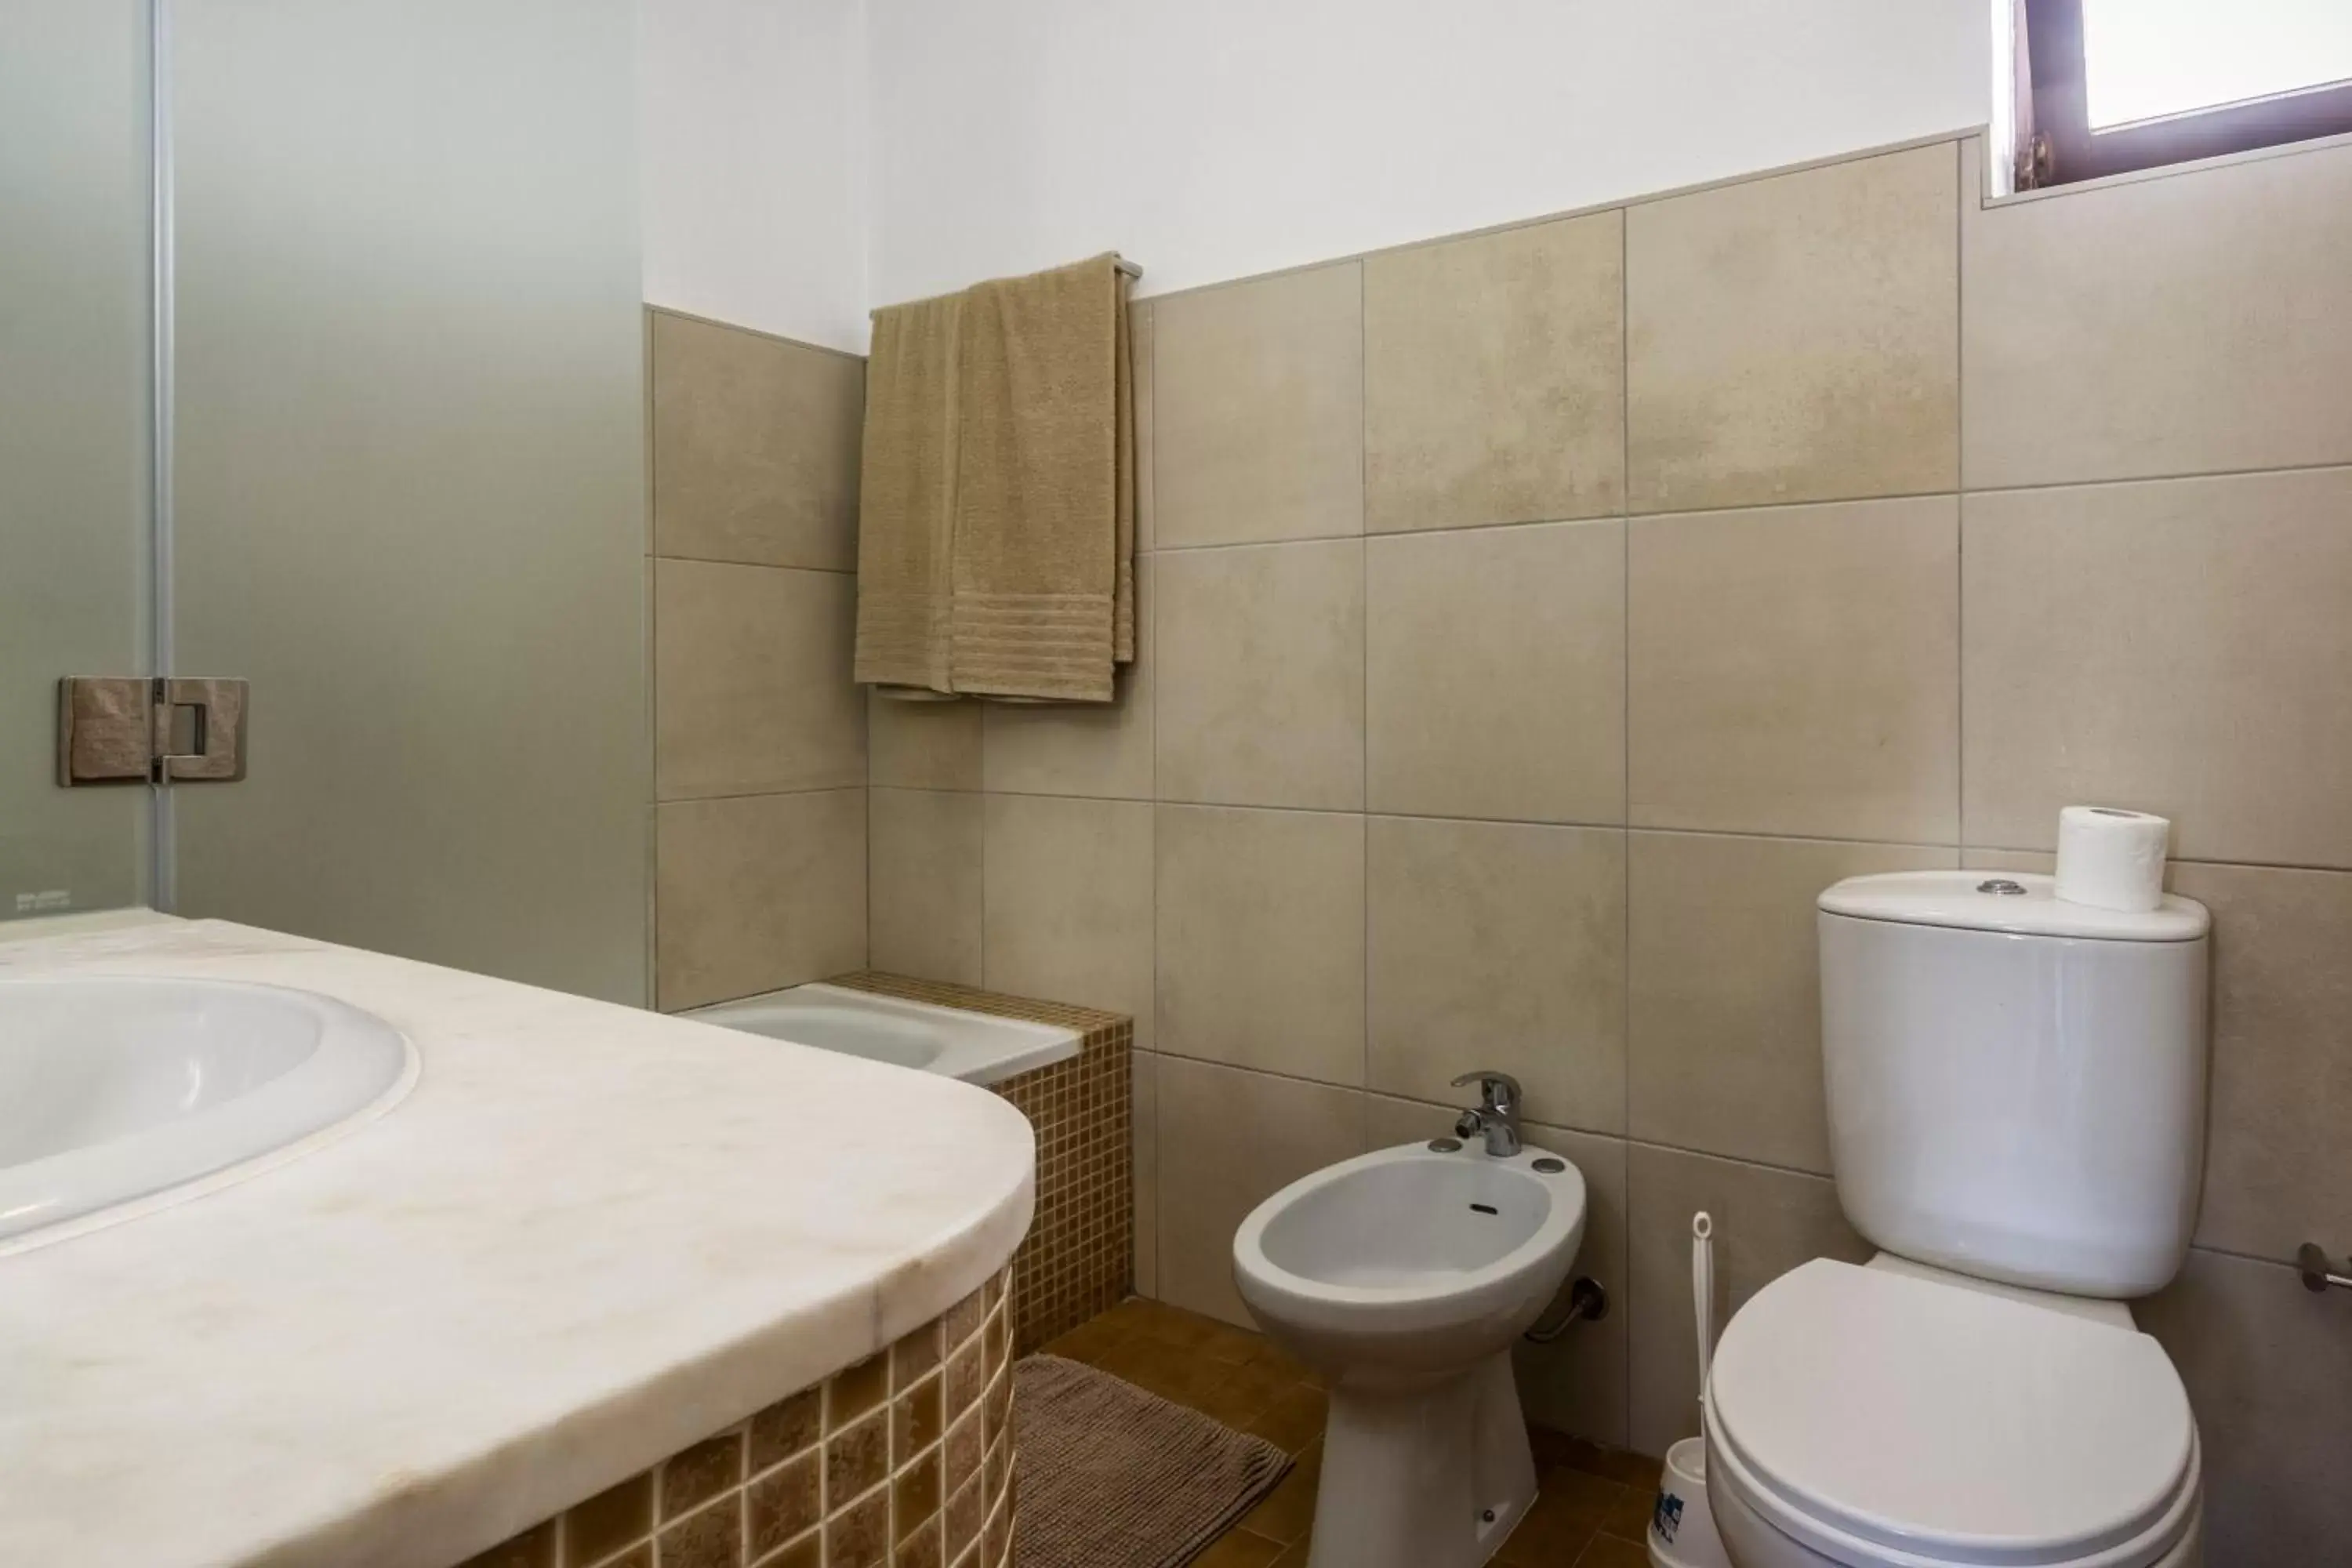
(1364, 675)
(1625, 724)
(1959, 473)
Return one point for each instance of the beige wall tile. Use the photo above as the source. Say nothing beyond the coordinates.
(923, 875)
(1143, 338)
(2267, 1363)
(1796, 337)
(1500, 945)
(751, 688)
(1766, 1223)
(1494, 673)
(1143, 1110)
(1258, 410)
(755, 445)
(1577, 1384)
(1068, 902)
(2200, 322)
(2178, 647)
(1260, 693)
(1797, 671)
(1261, 940)
(1229, 1140)
(1081, 748)
(1724, 1009)
(757, 892)
(2278, 1163)
(923, 745)
(1495, 378)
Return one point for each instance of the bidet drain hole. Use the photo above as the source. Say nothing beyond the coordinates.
(1485, 1208)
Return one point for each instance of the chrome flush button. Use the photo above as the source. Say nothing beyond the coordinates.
(2002, 886)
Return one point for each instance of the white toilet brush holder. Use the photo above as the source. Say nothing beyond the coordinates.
(1682, 1528)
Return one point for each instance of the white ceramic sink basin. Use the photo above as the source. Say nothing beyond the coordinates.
(123, 1088)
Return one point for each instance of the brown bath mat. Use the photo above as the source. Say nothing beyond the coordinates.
(1112, 1477)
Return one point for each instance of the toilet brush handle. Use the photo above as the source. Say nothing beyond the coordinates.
(1703, 1291)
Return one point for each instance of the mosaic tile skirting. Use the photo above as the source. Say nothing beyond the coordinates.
(904, 1460)
(1078, 1259)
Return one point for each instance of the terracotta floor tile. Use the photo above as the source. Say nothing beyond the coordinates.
(1287, 1513)
(1567, 1515)
(1608, 1552)
(1294, 1555)
(1239, 1549)
(1629, 1519)
(1090, 1340)
(1294, 1420)
(1243, 1393)
(1556, 1449)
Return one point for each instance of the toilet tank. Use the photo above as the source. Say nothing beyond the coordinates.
(2016, 1084)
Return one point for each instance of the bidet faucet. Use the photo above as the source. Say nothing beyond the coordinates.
(1496, 1118)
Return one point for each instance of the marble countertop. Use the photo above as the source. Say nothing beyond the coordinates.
(588, 1237)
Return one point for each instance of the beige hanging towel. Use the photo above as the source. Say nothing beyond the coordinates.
(1043, 606)
(906, 507)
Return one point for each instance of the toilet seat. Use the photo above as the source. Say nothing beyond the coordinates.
(1883, 1420)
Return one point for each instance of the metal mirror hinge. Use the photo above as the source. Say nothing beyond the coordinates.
(138, 729)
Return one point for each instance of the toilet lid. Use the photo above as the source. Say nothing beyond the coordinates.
(1949, 1423)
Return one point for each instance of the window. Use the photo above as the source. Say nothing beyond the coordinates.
(2109, 86)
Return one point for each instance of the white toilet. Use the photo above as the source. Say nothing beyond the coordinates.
(1404, 1276)
(2017, 1110)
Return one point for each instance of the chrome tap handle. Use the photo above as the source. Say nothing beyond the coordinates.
(1498, 1091)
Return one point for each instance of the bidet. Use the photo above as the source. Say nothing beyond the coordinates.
(1404, 1276)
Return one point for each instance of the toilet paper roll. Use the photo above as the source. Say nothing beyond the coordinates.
(2110, 859)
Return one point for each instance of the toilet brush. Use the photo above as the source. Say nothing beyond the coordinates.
(1682, 1529)
(1703, 1291)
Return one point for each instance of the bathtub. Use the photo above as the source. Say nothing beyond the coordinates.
(977, 1047)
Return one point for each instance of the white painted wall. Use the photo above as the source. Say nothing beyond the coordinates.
(751, 135)
(1213, 139)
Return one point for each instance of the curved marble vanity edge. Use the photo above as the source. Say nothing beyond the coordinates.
(591, 1236)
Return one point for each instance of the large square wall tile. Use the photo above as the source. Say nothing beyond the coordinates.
(751, 688)
(1724, 1010)
(1494, 673)
(1260, 695)
(1495, 378)
(756, 892)
(755, 445)
(1143, 1114)
(2179, 647)
(2267, 1363)
(1796, 337)
(2198, 322)
(1080, 748)
(1257, 416)
(1229, 1140)
(1500, 945)
(1067, 902)
(2278, 1172)
(1261, 940)
(1766, 1223)
(1797, 671)
(923, 745)
(923, 861)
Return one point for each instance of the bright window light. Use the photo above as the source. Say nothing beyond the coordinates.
(2144, 60)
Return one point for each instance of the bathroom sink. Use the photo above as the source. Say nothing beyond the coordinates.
(123, 1088)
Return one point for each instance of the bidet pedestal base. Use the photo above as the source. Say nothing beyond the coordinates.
(1433, 1473)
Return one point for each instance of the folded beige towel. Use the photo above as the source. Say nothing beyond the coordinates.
(998, 523)
(906, 508)
(1039, 486)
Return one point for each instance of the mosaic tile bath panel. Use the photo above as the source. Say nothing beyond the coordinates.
(904, 1460)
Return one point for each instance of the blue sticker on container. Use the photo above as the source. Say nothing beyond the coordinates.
(1667, 1517)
